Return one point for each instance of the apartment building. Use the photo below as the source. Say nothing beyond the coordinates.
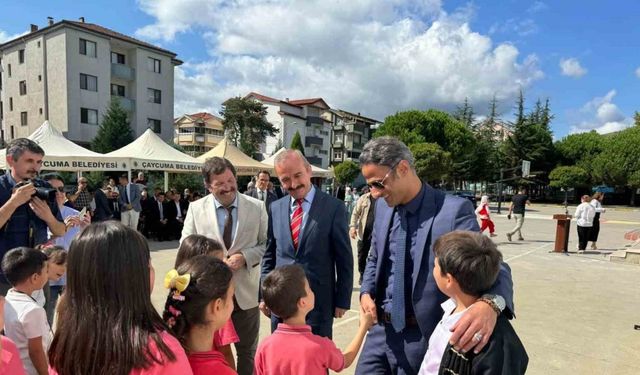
(310, 117)
(350, 133)
(69, 71)
(198, 133)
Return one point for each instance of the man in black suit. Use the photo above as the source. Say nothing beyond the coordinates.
(175, 210)
(158, 217)
(104, 209)
(261, 190)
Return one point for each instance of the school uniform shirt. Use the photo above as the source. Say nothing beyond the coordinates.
(24, 319)
(10, 363)
(209, 363)
(585, 214)
(295, 350)
(226, 335)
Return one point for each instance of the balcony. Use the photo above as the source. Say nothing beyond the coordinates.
(313, 141)
(357, 128)
(315, 160)
(123, 72)
(311, 120)
(128, 105)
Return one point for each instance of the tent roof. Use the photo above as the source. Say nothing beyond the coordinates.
(150, 152)
(315, 171)
(244, 164)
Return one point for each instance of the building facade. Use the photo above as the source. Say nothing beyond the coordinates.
(198, 133)
(310, 117)
(350, 133)
(69, 71)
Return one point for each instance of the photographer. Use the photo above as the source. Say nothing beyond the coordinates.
(25, 217)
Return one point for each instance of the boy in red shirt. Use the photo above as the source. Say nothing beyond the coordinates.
(292, 348)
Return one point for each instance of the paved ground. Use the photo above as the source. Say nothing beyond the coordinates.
(575, 313)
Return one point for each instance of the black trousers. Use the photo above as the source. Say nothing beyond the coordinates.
(583, 237)
(363, 253)
(595, 229)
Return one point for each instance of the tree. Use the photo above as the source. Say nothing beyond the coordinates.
(114, 131)
(465, 113)
(245, 123)
(432, 163)
(296, 143)
(279, 145)
(567, 177)
(346, 172)
(581, 150)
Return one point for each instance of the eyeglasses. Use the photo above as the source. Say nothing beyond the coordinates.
(380, 184)
(60, 189)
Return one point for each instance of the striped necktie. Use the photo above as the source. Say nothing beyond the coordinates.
(296, 223)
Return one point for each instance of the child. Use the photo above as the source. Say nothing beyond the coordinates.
(466, 265)
(196, 244)
(200, 302)
(25, 320)
(47, 297)
(483, 212)
(106, 323)
(10, 363)
(292, 348)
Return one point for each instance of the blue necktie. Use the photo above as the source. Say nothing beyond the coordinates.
(398, 318)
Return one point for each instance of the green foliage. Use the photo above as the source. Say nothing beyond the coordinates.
(568, 177)
(296, 142)
(181, 181)
(346, 172)
(619, 162)
(581, 150)
(433, 164)
(279, 145)
(114, 131)
(245, 123)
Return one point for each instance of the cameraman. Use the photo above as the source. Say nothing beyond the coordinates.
(24, 218)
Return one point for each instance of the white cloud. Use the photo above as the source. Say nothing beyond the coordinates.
(601, 115)
(537, 6)
(521, 27)
(571, 67)
(374, 57)
(5, 37)
(638, 72)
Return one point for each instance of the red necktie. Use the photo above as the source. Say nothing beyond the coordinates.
(296, 223)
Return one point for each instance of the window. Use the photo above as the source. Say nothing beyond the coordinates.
(38, 44)
(117, 90)
(117, 58)
(88, 82)
(155, 96)
(10, 104)
(337, 155)
(1, 111)
(23, 87)
(23, 118)
(154, 125)
(9, 69)
(39, 78)
(40, 110)
(12, 133)
(153, 65)
(89, 116)
(21, 56)
(88, 48)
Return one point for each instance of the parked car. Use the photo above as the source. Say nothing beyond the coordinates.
(466, 194)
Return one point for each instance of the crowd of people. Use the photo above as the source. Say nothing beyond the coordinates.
(425, 305)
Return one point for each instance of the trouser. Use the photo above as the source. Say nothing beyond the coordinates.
(52, 300)
(388, 352)
(130, 218)
(247, 325)
(583, 237)
(519, 221)
(595, 229)
(363, 252)
(487, 223)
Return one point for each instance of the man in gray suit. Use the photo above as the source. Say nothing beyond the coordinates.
(129, 202)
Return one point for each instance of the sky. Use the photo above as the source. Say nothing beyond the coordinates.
(378, 57)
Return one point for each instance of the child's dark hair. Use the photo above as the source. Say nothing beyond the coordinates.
(210, 280)
(196, 244)
(471, 258)
(282, 289)
(21, 263)
(56, 254)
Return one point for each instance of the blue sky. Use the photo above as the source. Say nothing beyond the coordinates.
(381, 56)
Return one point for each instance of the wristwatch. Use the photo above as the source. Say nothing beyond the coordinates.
(496, 302)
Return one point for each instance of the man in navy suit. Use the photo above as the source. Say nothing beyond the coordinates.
(309, 227)
(398, 287)
(261, 190)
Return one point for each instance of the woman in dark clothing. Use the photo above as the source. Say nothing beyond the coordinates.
(596, 202)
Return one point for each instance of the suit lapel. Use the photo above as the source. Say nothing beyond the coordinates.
(387, 215)
(285, 221)
(428, 211)
(311, 219)
(210, 217)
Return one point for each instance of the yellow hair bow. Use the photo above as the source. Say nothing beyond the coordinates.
(174, 280)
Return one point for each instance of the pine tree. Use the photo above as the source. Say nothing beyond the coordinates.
(296, 143)
(245, 123)
(465, 113)
(114, 131)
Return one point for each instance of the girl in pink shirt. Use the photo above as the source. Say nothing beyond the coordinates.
(196, 244)
(106, 323)
(199, 303)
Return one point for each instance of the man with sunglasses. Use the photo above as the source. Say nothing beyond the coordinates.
(398, 287)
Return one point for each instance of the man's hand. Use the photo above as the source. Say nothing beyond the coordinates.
(23, 194)
(474, 328)
(41, 209)
(339, 313)
(368, 306)
(235, 261)
(265, 310)
(353, 233)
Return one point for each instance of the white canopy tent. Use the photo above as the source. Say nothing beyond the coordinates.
(244, 165)
(61, 154)
(315, 171)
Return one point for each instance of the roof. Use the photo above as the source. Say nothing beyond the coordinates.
(301, 102)
(295, 103)
(343, 112)
(244, 164)
(92, 28)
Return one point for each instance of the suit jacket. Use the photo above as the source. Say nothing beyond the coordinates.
(440, 213)
(250, 240)
(103, 209)
(271, 197)
(324, 252)
(134, 199)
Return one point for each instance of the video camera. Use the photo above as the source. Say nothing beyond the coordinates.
(45, 193)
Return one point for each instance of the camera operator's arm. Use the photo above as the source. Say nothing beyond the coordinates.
(19, 197)
(43, 211)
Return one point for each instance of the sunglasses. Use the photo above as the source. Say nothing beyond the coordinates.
(379, 185)
(60, 189)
